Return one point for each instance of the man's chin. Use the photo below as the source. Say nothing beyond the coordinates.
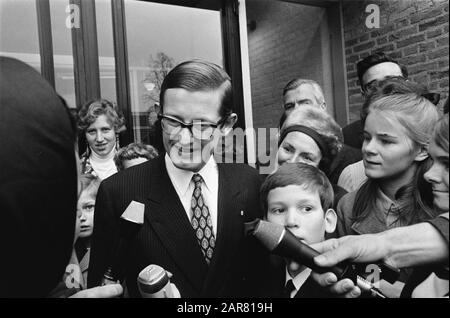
(187, 162)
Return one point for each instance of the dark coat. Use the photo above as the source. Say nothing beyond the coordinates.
(167, 239)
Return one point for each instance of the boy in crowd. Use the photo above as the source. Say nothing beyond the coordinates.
(299, 197)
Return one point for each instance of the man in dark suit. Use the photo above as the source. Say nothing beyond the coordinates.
(195, 208)
(371, 69)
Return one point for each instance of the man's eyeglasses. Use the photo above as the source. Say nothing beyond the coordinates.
(368, 87)
(199, 129)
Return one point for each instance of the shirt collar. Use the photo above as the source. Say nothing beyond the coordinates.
(299, 279)
(386, 203)
(182, 178)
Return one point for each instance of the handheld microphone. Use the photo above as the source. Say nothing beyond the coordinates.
(154, 282)
(130, 222)
(282, 242)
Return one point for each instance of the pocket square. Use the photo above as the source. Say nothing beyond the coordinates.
(134, 212)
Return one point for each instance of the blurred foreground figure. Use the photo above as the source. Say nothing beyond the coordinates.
(38, 185)
(38, 182)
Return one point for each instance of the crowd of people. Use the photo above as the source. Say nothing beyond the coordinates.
(373, 191)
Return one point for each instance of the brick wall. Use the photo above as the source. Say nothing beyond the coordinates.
(415, 32)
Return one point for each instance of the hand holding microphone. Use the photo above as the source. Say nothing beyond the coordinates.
(361, 249)
(282, 242)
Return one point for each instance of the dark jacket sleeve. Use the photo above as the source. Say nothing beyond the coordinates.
(104, 236)
(257, 257)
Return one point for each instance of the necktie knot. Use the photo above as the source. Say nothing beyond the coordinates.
(197, 180)
(288, 289)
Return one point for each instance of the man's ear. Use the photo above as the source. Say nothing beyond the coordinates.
(227, 126)
(330, 221)
(422, 154)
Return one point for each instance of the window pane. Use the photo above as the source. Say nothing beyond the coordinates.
(160, 36)
(18, 31)
(62, 51)
(106, 49)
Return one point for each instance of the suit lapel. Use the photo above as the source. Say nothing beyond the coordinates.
(165, 214)
(311, 289)
(274, 277)
(229, 232)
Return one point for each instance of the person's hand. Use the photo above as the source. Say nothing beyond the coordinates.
(356, 248)
(175, 291)
(107, 291)
(360, 248)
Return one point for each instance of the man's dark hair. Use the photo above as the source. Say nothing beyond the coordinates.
(200, 75)
(392, 86)
(372, 60)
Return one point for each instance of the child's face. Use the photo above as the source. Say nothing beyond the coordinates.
(86, 205)
(300, 210)
(387, 150)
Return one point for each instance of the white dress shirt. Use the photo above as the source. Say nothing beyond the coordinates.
(184, 186)
(298, 280)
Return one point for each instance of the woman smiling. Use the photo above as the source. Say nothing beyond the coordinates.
(101, 123)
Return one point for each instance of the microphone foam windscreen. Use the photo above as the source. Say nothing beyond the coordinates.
(269, 234)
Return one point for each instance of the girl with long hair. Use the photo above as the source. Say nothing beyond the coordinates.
(397, 130)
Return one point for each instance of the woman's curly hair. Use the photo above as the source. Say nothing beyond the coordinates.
(91, 110)
(324, 125)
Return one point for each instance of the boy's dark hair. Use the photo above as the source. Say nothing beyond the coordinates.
(372, 60)
(300, 174)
